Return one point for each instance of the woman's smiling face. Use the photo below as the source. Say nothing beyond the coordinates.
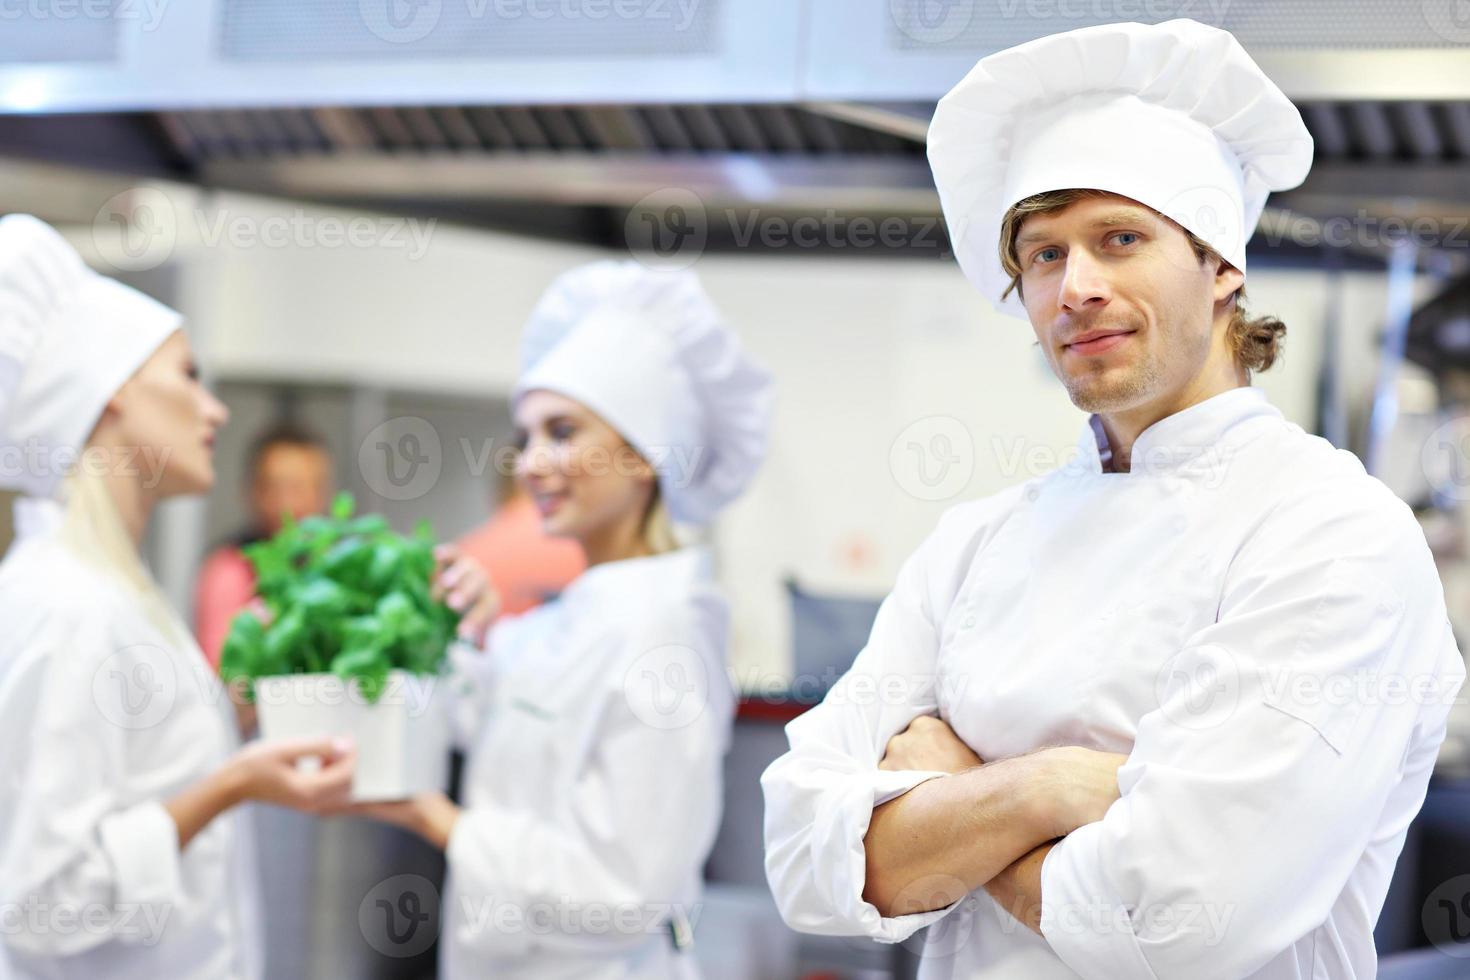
(580, 472)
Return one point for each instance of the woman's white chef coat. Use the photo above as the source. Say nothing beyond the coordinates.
(1251, 619)
(103, 720)
(592, 788)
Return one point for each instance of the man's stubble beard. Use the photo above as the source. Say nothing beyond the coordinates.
(1100, 392)
(1145, 379)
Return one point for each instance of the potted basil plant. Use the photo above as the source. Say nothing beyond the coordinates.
(349, 642)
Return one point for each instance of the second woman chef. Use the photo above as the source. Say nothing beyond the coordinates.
(593, 784)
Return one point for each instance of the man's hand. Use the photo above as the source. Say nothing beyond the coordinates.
(990, 824)
(930, 745)
(1079, 784)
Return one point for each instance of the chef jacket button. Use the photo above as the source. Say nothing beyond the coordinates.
(970, 621)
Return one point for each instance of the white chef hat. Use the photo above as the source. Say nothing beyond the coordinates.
(649, 353)
(74, 337)
(1175, 116)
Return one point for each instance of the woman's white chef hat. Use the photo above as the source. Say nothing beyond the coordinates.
(649, 353)
(69, 339)
(1175, 116)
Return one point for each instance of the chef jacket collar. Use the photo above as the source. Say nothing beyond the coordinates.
(36, 515)
(650, 575)
(1175, 441)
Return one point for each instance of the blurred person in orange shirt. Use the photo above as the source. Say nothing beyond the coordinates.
(290, 473)
(526, 565)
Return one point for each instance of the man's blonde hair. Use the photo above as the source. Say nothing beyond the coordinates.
(1255, 342)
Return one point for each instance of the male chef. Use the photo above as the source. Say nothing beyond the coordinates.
(1168, 710)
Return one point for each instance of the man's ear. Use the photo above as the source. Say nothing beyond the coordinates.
(1228, 280)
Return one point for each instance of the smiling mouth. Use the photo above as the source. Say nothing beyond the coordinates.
(1100, 344)
(549, 504)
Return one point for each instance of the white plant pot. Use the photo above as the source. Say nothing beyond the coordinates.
(402, 740)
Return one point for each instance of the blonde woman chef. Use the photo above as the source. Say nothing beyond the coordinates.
(593, 785)
(122, 851)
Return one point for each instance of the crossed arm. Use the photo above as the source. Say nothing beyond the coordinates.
(986, 824)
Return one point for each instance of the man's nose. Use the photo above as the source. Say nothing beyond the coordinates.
(1084, 283)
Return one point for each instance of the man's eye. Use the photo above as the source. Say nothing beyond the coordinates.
(1041, 256)
(562, 433)
(1133, 235)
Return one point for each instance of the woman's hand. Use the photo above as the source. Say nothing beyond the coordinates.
(430, 815)
(930, 745)
(267, 772)
(465, 587)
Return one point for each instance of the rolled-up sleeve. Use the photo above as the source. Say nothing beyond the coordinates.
(1280, 733)
(821, 794)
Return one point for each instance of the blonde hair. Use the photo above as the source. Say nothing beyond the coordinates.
(93, 529)
(1256, 343)
(658, 526)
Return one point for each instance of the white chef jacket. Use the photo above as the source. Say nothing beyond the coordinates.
(1239, 615)
(592, 787)
(102, 720)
